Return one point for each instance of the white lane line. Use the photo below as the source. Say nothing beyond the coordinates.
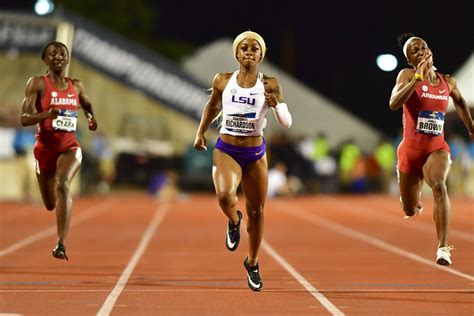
(301, 279)
(357, 210)
(88, 213)
(305, 215)
(109, 303)
(246, 290)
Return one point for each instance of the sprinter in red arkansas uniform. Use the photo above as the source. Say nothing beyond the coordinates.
(423, 154)
(52, 101)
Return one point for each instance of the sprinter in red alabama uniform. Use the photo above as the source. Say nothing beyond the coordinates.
(423, 154)
(52, 101)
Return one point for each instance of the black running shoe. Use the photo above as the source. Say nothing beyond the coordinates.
(232, 236)
(60, 251)
(253, 276)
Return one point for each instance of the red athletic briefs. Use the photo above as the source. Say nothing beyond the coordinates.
(411, 159)
(46, 157)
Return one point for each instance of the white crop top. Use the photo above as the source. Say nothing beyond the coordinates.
(243, 109)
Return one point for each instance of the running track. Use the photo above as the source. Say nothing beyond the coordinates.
(322, 255)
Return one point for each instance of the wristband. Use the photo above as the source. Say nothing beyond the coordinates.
(282, 114)
(89, 115)
(418, 77)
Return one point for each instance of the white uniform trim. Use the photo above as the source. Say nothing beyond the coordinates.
(79, 154)
(405, 46)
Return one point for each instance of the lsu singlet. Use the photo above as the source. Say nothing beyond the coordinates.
(59, 133)
(423, 115)
(244, 109)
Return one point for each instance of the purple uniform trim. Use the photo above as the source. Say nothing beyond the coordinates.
(243, 155)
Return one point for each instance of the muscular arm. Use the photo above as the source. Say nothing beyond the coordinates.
(212, 106)
(461, 105)
(407, 83)
(211, 109)
(85, 103)
(29, 116)
(404, 87)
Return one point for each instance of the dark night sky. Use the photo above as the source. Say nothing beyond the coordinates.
(331, 46)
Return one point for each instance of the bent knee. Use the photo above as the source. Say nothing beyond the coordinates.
(226, 198)
(255, 213)
(62, 184)
(439, 188)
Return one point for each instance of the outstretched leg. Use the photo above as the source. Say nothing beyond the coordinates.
(226, 174)
(66, 168)
(254, 184)
(410, 188)
(435, 172)
(47, 183)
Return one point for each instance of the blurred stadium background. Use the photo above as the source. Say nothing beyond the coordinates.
(148, 100)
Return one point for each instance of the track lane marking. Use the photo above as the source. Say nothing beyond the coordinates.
(355, 209)
(306, 215)
(86, 214)
(301, 279)
(330, 307)
(329, 290)
(109, 303)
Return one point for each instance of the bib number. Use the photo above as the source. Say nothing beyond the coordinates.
(66, 121)
(240, 123)
(430, 122)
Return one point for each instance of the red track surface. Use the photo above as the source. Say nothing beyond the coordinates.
(322, 255)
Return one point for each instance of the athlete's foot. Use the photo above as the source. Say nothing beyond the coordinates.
(253, 276)
(60, 251)
(232, 235)
(443, 255)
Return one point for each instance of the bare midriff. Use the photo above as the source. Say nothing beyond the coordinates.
(242, 141)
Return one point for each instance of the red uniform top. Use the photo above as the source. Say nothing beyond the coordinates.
(59, 133)
(423, 115)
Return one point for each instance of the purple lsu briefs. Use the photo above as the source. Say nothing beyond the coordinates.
(243, 155)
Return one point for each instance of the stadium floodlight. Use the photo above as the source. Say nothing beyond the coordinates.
(387, 62)
(43, 7)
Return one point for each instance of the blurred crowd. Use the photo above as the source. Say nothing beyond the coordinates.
(97, 173)
(298, 165)
(308, 164)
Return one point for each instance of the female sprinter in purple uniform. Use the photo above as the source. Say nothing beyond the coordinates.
(239, 156)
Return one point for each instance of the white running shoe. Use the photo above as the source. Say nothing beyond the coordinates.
(443, 255)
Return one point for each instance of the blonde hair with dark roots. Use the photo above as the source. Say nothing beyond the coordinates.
(249, 35)
(242, 36)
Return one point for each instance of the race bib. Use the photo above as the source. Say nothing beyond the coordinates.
(66, 121)
(430, 122)
(241, 123)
